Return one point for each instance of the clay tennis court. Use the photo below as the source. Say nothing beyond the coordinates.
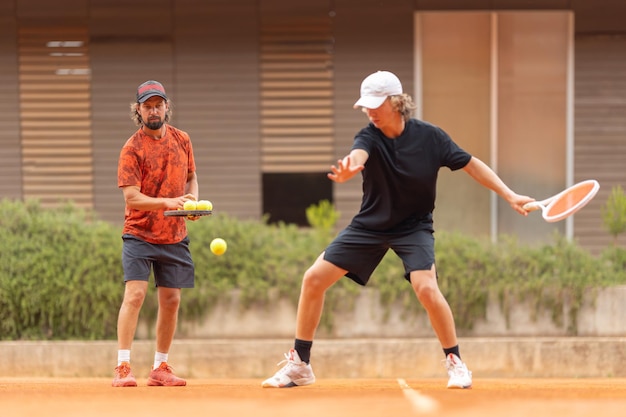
(512, 397)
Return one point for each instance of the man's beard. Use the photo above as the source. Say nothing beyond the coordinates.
(154, 125)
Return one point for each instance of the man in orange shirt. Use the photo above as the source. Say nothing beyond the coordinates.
(156, 172)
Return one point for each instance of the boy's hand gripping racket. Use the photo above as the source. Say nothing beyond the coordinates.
(567, 202)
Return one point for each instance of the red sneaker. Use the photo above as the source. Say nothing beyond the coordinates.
(163, 376)
(123, 376)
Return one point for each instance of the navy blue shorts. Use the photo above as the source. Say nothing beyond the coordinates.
(171, 263)
(360, 251)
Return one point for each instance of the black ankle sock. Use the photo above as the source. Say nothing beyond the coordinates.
(303, 347)
(453, 349)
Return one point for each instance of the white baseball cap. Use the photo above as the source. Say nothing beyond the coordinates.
(376, 87)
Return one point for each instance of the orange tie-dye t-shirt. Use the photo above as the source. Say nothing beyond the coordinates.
(160, 168)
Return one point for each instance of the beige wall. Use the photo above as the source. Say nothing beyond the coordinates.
(455, 54)
(10, 156)
(533, 97)
(497, 82)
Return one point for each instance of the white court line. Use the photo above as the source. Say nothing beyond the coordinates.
(422, 404)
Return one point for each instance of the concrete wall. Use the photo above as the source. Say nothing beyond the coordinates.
(348, 358)
(370, 319)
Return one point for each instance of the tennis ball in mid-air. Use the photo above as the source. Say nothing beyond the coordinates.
(190, 205)
(218, 246)
(204, 205)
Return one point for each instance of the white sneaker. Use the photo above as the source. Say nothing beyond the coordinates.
(294, 373)
(460, 376)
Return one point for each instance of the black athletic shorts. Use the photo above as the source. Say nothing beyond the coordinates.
(360, 251)
(171, 263)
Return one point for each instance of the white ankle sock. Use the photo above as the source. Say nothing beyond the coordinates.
(123, 355)
(158, 358)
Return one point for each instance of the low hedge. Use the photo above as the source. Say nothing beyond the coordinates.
(61, 273)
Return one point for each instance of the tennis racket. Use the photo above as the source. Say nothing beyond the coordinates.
(184, 213)
(565, 203)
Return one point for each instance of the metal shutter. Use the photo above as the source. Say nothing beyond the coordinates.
(55, 114)
(296, 94)
(600, 129)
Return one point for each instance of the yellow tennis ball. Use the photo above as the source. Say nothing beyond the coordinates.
(204, 205)
(190, 205)
(218, 246)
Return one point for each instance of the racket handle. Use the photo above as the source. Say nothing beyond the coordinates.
(532, 206)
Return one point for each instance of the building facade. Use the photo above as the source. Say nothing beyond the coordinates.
(536, 89)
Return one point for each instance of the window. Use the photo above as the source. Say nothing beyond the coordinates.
(287, 196)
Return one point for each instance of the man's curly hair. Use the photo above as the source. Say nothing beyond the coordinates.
(136, 117)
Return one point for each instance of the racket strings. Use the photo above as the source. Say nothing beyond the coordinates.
(571, 199)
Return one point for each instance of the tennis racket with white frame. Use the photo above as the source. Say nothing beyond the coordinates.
(567, 202)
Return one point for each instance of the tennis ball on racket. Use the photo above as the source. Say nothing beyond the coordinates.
(204, 205)
(218, 246)
(189, 205)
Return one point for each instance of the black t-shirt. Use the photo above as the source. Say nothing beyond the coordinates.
(400, 175)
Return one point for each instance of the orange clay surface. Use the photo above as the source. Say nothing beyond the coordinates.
(326, 398)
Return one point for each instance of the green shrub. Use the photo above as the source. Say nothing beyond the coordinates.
(61, 275)
(322, 216)
(614, 213)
